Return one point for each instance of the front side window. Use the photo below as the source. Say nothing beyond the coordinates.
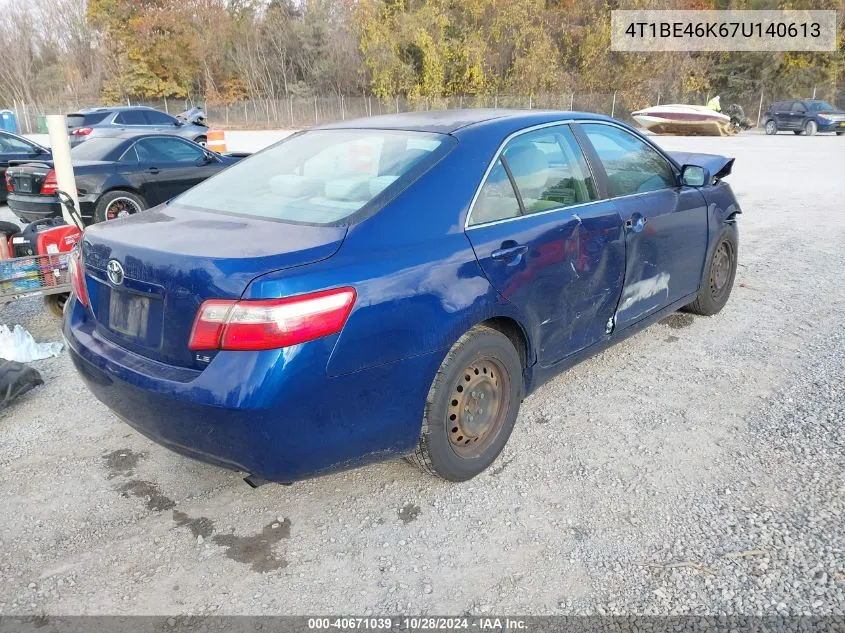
(154, 117)
(12, 145)
(820, 106)
(548, 170)
(167, 150)
(631, 164)
(319, 177)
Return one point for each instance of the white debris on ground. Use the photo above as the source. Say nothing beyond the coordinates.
(17, 344)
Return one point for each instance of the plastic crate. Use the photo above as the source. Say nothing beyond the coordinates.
(45, 274)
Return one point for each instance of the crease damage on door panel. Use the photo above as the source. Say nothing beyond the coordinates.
(645, 289)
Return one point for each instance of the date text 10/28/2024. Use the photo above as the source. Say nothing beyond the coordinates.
(423, 623)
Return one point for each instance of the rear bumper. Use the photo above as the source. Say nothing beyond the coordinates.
(31, 208)
(274, 414)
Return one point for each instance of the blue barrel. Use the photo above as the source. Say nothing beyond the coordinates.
(8, 121)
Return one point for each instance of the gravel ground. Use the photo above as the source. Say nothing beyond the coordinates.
(697, 467)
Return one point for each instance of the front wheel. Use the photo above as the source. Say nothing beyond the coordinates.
(721, 271)
(201, 140)
(471, 407)
(118, 204)
(771, 128)
(810, 128)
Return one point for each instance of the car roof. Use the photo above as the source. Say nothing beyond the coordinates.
(111, 109)
(450, 121)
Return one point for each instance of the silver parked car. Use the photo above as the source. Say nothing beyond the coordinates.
(114, 121)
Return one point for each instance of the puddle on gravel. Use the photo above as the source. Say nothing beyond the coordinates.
(256, 551)
(677, 321)
(122, 462)
(199, 527)
(149, 491)
(409, 512)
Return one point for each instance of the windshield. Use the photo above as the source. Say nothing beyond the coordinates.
(319, 177)
(820, 106)
(95, 148)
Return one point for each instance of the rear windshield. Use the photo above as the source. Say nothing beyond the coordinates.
(83, 119)
(320, 177)
(96, 148)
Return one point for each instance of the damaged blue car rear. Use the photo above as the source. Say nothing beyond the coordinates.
(392, 286)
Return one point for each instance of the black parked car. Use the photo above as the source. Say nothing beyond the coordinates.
(115, 176)
(807, 116)
(14, 147)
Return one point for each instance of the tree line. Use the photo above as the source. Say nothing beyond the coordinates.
(225, 51)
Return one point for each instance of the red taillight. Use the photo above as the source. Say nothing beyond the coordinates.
(8, 182)
(82, 131)
(77, 277)
(270, 323)
(50, 185)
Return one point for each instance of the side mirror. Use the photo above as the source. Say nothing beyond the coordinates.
(207, 158)
(694, 176)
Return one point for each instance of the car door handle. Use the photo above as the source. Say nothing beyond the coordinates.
(509, 250)
(153, 170)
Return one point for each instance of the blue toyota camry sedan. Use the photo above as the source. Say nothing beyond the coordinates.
(392, 286)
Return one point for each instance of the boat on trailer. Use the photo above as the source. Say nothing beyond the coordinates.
(677, 118)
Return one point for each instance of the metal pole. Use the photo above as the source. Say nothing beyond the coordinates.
(658, 98)
(165, 106)
(315, 111)
(814, 92)
(571, 100)
(60, 147)
(613, 106)
(760, 109)
(342, 113)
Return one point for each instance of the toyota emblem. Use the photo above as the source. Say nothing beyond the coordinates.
(115, 272)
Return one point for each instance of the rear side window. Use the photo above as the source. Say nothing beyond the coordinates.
(96, 148)
(130, 117)
(12, 145)
(154, 117)
(631, 164)
(320, 177)
(497, 199)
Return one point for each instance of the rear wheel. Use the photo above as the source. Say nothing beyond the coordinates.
(771, 127)
(118, 204)
(810, 128)
(471, 407)
(721, 271)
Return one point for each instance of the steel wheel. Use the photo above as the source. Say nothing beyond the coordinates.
(771, 127)
(477, 411)
(121, 207)
(720, 270)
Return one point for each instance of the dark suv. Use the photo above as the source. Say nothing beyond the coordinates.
(115, 121)
(807, 115)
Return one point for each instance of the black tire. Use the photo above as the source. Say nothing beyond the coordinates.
(201, 140)
(118, 203)
(771, 127)
(56, 303)
(810, 128)
(796, 132)
(840, 133)
(486, 361)
(719, 278)
(8, 229)
(15, 380)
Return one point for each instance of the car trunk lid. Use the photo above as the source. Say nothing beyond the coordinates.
(166, 261)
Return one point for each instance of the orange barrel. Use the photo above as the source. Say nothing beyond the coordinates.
(216, 140)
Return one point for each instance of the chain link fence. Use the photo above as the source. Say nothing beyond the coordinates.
(302, 112)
